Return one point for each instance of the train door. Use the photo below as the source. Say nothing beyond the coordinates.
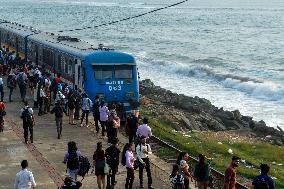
(78, 74)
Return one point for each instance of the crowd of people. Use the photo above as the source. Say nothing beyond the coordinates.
(53, 95)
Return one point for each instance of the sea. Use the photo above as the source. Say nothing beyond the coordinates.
(228, 51)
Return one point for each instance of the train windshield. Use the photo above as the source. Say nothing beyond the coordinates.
(123, 72)
(103, 72)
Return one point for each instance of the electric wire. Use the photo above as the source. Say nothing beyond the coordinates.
(124, 19)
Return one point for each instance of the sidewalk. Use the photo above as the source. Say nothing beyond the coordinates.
(45, 156)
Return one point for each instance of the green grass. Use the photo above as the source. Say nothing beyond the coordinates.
(253, 152)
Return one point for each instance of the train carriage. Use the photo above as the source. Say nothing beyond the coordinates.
(99, 71)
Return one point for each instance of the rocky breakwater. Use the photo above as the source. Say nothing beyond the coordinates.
(194, 113)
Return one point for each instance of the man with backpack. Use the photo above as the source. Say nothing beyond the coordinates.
(86, 107)
(28, 121)
(112, 157)
(54, 84)
(263, 181)
(22, 82)
(71, 106)
(72, 159)
(58, 110)
(143, 150)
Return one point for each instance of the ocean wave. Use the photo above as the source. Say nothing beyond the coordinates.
(252, 86)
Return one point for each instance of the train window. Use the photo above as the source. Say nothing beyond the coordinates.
(123, 72)
(103, 72)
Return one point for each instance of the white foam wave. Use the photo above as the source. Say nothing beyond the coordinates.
(252, 86)
(267, 90)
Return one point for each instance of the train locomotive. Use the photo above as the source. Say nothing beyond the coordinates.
(101, 71)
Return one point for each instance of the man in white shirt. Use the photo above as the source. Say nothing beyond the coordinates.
(143, 150)
(144, 130)
(24, 179)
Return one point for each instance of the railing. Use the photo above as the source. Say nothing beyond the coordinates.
(218, 177)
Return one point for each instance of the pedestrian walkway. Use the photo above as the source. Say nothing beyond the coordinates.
(45, 155)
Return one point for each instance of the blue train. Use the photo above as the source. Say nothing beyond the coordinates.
(98, 71)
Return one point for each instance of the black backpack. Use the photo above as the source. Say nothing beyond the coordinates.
(27, 116)
(73, 161)
(123, 158)
(84, 166)
(178, 184)
(21, 80)
(261, 184)
(113, 156)
(59, 111)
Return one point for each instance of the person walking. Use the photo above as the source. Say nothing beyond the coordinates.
(78, 103)
(41, 97)
(230, 177)
(72, 159)
(144, 130)
(263, 181)
(28, 121)
(71, 106)
(11, 84)
(24, 179)
(129, 163)
(54, 85)
(22, 82)
(99, 164)
(201, 173)
(143, 150)
(96, 112)
(103, 116)
(2, 114)
(112, 157)
(184, 168)
(1, 89)
(113, 124)
(131, 127)
(58, 110)
(86, 107)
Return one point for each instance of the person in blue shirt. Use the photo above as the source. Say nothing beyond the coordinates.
(263, 180)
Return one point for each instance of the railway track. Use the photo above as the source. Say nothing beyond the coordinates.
(159, 145)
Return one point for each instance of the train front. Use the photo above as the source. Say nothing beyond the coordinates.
(113, 77)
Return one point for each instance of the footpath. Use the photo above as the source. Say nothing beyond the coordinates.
(45, 155)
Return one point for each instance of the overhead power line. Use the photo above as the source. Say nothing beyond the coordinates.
(124, 19)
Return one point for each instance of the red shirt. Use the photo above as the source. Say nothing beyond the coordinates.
(2, 106)
(230, 177)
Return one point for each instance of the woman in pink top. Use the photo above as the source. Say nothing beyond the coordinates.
(103, 116)
(129, 166)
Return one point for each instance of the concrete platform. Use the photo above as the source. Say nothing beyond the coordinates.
(45, 156)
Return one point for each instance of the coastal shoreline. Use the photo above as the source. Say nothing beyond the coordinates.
(198, 114)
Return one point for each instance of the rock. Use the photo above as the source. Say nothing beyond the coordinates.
(232, 124)
(237, 114)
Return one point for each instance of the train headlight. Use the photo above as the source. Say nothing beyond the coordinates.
(129, 94)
